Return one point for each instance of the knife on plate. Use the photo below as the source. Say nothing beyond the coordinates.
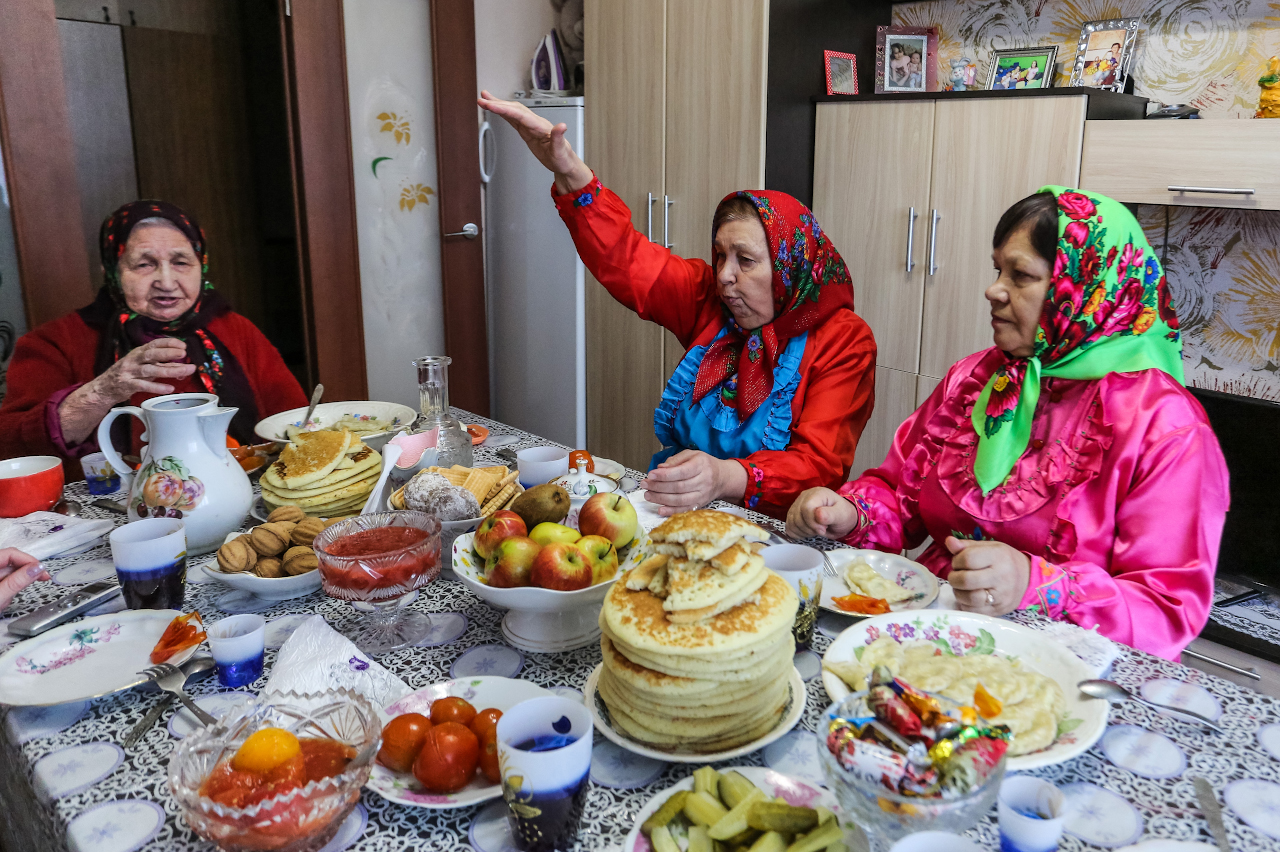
(1212, 812)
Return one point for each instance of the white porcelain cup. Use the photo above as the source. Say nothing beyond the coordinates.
(539, 465)
(150, 556)
(238, 643)
(1020, 796)
(935, 841)
(801, 567)
(545, 790)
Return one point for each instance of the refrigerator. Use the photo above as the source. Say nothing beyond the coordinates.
(534, 285)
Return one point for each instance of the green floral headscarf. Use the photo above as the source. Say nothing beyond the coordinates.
(1107, 311)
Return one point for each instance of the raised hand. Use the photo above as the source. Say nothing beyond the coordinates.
(545, 140)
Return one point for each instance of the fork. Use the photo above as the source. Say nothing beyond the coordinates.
(828, 567)
(171, 679)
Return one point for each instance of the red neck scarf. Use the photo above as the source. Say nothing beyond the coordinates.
(810, 283)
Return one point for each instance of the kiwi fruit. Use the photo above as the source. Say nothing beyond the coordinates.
(541, 504)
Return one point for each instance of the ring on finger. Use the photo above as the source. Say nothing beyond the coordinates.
(991, 599)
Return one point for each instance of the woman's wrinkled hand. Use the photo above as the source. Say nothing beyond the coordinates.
(17, 571)
(821, 512)
(144, 370)
(544, 139)
(989, 577)
(692, 478)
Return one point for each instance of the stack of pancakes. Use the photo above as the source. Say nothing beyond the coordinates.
(323, 473)
(712, 672)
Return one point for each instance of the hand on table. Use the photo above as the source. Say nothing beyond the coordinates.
(989, 577)
(144, 370)
(692, 478)
(821, 512)
(17, 571)
(544, 139)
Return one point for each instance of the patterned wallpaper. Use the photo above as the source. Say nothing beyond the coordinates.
(1223, 265)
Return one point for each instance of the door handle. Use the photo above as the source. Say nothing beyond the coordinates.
(1216, 190)
(666, 222)
(911, 238)
(933, 243)
(469, 230)
(649, 232)
(486, 171)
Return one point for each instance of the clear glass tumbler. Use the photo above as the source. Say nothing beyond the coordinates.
(454, 442)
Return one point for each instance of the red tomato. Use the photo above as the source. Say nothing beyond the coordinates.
(489, 758)
(402, 739)
(452, 710)
(448, 759)
(485, 722)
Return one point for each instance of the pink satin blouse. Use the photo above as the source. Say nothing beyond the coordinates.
(1119, 500)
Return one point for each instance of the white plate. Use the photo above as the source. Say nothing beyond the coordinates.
(400, 416)
(267, 588)
(609, 468)
(911, 576)
(85, 659)
(482, 692)
(1085, 717)
(598, 712)
(795, 791)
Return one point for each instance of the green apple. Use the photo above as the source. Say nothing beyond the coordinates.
(550, 533)
(601, 555)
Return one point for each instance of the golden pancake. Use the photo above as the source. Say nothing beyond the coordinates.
(719, 529)
(310, 458)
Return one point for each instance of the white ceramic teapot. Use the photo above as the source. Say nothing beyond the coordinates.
(186, 471)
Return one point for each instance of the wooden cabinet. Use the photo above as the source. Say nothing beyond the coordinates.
(910, 191)
(675, 109)
(1191, 163)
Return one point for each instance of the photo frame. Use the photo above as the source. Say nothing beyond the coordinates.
(1022, 68)
(1104, 54)
(842, 72)
(906, 59)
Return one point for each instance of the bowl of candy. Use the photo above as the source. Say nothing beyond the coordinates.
(378, 562)
(278, 774)
(901, 760)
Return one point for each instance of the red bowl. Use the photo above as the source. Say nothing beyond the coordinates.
(29, 484)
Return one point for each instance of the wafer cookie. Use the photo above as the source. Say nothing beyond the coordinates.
(499, 500)
(501, 484)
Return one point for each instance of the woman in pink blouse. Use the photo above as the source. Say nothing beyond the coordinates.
(1065, 470)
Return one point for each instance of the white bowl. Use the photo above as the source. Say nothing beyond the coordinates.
(267, 588)
(272, 428)
(543, 620)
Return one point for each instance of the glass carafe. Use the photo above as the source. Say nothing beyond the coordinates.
(454, 442)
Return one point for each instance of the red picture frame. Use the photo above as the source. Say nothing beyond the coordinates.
(841, 79)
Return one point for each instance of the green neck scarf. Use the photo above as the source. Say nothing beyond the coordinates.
(1107, 311)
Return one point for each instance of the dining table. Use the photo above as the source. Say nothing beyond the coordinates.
(67, 783)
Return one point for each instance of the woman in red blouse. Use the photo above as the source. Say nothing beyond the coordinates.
(156, 327)
(778, 378)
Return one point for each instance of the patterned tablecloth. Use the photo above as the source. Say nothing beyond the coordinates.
(65, 780)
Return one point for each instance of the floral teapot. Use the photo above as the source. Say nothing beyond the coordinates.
(186, 471)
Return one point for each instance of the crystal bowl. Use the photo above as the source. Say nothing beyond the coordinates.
(302, 819)
(885, 815)
(382, 576)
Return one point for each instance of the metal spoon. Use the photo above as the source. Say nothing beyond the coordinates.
(315, 400)
(70, 508)
(1112, 691)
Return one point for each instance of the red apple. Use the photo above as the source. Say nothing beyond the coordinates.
(561, 567)
(601, 555)
(511, 563)
(611, 516)
(500, 525)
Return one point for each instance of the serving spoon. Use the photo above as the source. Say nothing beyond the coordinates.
(1114, 692)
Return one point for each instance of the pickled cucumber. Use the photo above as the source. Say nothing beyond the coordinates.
(734, 787)
(704, 809)
(706, 780)
(735, 821)
(661, 840)
(663, 815)
(820, 838)
(784, 819)
(770, 841)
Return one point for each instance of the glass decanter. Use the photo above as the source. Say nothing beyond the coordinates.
(453, 442)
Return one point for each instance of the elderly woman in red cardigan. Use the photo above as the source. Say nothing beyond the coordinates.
(778, 378)
(156, 327)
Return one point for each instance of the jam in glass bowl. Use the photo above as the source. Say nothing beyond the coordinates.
(294, 805)
(378, 562)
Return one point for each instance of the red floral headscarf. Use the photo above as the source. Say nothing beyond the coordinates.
(810, 283)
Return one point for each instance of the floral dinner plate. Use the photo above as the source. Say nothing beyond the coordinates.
(483, 693)
(912, 576)
(85, 659)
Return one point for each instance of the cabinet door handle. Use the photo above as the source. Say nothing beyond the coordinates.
(1216, 190)
(1253, 673)
(666, 222)
(933, 243)
(649, 233)
(911, 239)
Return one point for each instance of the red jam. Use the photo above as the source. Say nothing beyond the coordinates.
(319, 758)
(376, 541)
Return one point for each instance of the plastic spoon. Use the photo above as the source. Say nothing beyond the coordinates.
(1112, 691)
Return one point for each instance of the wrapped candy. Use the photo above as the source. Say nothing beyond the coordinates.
(868, 759)
(970, 764)
(893, 711)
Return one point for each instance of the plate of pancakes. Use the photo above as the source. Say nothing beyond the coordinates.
(905, 584)
(697, 646)
(326, 474)
(374, 422)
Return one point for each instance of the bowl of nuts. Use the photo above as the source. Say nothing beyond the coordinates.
(274, 560)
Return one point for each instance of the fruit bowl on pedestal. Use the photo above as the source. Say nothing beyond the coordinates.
(544, 620)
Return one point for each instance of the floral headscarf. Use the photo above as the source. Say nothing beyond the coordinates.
(810, 283)
(123, 329)
(1107, 311)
